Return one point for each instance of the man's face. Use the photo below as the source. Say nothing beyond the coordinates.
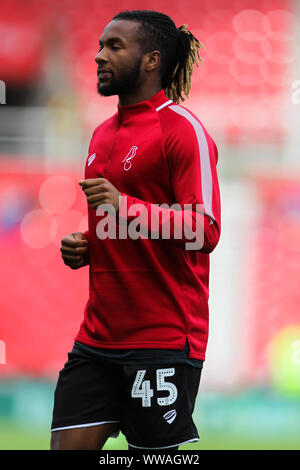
(119, 59)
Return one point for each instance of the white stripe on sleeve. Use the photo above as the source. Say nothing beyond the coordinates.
(205, 167)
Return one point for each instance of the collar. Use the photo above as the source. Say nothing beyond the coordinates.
(155, 102)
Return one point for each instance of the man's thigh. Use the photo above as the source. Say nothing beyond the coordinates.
(85, 438)
(88, 394)
(159, 405)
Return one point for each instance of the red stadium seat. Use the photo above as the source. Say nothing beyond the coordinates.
(246, 44)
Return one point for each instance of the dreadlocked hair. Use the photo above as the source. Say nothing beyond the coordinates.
(178, 47)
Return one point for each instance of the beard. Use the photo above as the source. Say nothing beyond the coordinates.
(127, 82)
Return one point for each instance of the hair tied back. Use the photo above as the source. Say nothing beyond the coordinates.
(182, 74)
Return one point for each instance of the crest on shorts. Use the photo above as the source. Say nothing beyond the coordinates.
(170, 416)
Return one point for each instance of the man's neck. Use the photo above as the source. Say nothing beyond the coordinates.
(138, 97)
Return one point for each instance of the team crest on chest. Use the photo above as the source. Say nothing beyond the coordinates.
(127, 163)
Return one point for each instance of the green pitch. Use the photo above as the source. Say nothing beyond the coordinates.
(14, 438)
(251, 420)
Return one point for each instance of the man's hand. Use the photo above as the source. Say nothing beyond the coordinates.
(74, 250)
(100, 191)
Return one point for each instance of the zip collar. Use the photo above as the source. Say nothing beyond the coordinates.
(156, 102)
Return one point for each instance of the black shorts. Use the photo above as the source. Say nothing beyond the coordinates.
(152, 403)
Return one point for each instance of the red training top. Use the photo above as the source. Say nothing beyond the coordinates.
(150, 290)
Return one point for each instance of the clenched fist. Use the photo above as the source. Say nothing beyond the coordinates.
(100, 191)
(74, 250)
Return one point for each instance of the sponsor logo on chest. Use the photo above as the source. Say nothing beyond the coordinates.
(91, 159)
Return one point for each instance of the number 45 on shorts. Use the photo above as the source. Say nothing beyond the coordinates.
(142, 388)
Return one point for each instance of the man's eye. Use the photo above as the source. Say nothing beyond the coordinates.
(114, 47)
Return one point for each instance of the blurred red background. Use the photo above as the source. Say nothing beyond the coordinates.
(240, 91)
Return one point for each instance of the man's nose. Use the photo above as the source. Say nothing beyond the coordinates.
(100, 57)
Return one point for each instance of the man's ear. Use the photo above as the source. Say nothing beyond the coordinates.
(152, 61)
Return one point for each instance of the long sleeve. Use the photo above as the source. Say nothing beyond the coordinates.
(86, 235)
(195, 223)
